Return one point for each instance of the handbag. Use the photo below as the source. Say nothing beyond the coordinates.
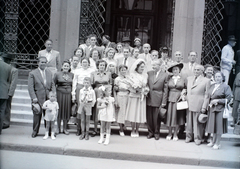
(226, 110)
(162, 112)
(181, 105)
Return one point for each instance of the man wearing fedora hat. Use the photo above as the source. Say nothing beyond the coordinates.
(5, 74)
(13, 84)
(227, 57)
(126, 41)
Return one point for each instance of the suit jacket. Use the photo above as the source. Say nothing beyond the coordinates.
(158, 89)
(5, 75)
(186, 72)
(197, 94)
(222, 93)
(130, 62)
(13, 81)
(99, 48)
(174, 90)
(36, 86)
(54, 59)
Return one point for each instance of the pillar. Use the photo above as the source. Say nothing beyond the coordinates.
(188, 27)
(64, 26)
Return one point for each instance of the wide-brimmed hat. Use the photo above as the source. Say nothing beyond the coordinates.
(202, 118)
(231, 38)
(180, 65)
(126, 39)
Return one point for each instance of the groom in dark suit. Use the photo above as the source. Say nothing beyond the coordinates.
(157, 97)
(40, 83)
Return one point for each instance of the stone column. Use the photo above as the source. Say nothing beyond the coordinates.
(64, 26)
(188, 27)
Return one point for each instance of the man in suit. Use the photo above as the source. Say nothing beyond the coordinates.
(40, 83)
(5, 74)
(157, 97)
(188, 68)
(13, 85)
(146, 56)
(93, 45)
(197, 97)
(53, 57)
(125, 60)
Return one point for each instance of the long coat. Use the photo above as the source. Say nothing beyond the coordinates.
(215, 112)
(158, 89)
(5, 80)
(36, 86)
(197, 94)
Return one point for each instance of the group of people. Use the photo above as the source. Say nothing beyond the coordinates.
(117, 82)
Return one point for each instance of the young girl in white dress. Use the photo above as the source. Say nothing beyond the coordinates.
(105, 104)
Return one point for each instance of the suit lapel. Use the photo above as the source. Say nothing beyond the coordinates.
(39, 75)
(199, 80)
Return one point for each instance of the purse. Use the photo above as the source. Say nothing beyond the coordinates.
(226, 110)
(181, 105)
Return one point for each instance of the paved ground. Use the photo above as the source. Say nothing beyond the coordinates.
(18, 138)
(14, 160)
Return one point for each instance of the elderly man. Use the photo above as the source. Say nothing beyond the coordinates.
(157, 97)
(227, 57)
(188, 68)
(53, 57)
(197, 97)
(178, 57)
(5, 74)
(40, 83)
(13, 85)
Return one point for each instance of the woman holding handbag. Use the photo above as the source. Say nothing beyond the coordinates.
(219, 94)
(176, 88)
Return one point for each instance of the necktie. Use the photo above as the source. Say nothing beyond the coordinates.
(44, 77)
(194, 81)
(125, 61)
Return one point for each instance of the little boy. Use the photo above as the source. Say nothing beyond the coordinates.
(87, 99)
(51, 107)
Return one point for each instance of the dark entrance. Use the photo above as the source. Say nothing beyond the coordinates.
(150, 20)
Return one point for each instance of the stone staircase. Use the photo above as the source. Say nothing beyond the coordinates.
(21, 112)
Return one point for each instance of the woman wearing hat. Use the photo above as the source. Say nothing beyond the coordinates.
(176, 88)
(216, 124)
(167, 61)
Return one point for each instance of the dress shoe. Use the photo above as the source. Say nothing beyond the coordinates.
(210, 144)
(169, 137)
(94, 133)
(5, 126)
(197, 142)
(82, 136)
(66, 132)
(216, 147)
(149, 136)
(188, 140)
(156, 136)
(34, 135)
(175, 138)
(87, 136)
(78, 133)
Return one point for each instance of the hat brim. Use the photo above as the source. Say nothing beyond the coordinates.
(179, 65)
(202, 118)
